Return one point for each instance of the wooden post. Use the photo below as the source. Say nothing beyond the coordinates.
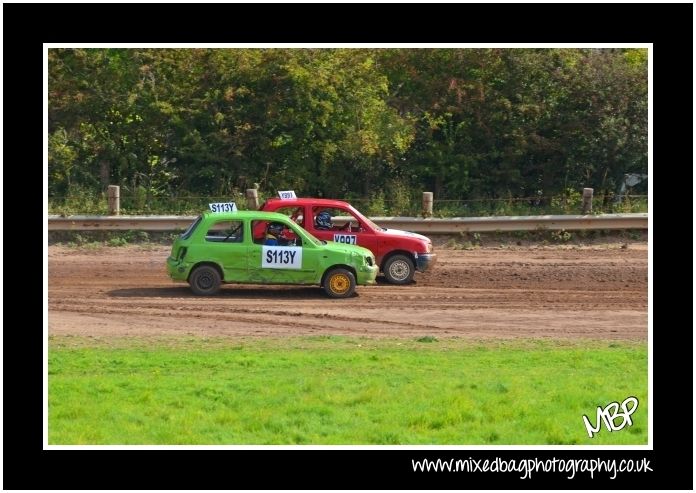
(587, 200)
(114, 195)
(427, 204)
(252, 196)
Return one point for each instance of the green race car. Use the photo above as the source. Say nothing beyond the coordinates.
(219, 247)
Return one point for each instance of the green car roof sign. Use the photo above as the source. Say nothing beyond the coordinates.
(223, 207)
(231, 247)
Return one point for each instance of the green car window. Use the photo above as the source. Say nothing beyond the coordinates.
(226, 231)
(189, 231)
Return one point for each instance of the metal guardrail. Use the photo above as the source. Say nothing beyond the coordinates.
(418, 225)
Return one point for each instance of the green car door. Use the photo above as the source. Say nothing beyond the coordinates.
(283, 264)
(224, 244)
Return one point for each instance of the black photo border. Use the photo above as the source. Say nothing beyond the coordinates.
(27, 26)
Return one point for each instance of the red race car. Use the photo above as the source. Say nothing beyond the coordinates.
(399, 253)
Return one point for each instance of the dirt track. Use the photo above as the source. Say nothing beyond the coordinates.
(546, 292)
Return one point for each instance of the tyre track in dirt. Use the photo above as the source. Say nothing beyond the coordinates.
(484, 293)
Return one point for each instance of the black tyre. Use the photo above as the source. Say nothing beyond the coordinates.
(399, 269)
(205, 280)
(339, 283)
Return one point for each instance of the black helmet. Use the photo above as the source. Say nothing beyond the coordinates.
(324, 220)
(275, 228)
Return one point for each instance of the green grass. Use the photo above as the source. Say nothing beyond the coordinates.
(338, 390)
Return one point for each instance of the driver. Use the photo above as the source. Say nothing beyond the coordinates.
(274, 235)
(323, 220)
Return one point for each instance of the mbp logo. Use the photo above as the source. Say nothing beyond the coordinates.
(609, 415)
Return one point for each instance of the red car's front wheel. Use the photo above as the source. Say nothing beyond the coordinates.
(399, 269)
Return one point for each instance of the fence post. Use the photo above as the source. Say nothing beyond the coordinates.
(114, 197)
(252, 196)
(587, 200)
(427, 204)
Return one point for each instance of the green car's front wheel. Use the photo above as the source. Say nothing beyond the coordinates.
(205, 280)
(339, 283)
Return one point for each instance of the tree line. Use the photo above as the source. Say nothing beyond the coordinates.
(463, 123)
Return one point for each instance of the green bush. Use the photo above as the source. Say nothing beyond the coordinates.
(400, 201)
(79, 200)
(569, 202)
(376, 205)
(561, 236)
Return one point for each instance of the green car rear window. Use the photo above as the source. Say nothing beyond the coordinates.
(189, 231)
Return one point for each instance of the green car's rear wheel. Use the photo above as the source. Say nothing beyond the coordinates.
(205, 280)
